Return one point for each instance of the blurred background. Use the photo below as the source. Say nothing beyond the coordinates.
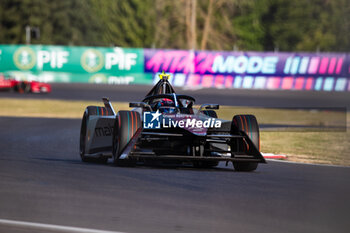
(295, 45)
(285, 61)
(264, 25)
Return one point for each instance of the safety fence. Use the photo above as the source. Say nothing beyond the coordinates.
(194, 69)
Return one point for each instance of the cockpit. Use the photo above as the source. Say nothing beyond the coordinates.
(163, 98)
(171, 103)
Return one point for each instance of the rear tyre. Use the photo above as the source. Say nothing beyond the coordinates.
(89, 111)
(249, 125)
(127, 123)
(22, 87)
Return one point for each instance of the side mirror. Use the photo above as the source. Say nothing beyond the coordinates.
(208, 106)
(212, 106)
(139, 105)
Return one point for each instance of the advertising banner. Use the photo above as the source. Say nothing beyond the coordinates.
(193, 69)
(256, 70)
(111, 65)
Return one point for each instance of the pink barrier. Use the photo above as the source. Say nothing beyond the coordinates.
(253, 70)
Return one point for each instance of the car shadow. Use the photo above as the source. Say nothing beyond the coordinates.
(146, 166)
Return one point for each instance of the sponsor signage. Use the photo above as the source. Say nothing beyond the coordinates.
(247, 63)
(111, 65)
(252, 70)
(193, 69)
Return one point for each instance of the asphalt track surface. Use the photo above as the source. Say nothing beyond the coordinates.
(42, 180)
(233, 97)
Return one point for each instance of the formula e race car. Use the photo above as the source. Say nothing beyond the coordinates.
(8, 83)
(166, 127)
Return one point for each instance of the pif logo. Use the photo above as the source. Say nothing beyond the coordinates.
(92, 60)
(24, 58)
(98, 78)
(151, 120)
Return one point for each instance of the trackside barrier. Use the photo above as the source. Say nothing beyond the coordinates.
(112, 65)
(193, 69)
(253, 70)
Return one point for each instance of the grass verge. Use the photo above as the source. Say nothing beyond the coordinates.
(49, 108)
(309, 147)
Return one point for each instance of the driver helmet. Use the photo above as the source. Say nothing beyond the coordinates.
(166, 103)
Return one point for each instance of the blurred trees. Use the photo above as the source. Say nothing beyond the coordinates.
(322, 25)
(60, 22)
(125, 23)
(299, 25)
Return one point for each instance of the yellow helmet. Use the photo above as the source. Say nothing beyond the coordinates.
(164, 76)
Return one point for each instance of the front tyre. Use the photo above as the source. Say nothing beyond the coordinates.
(90, 110)
(249, 125)
(83, 138)
(127, 123)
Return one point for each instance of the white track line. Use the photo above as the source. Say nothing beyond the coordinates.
(307, 164)
(273, 156)
(281, 159)
(50, 227)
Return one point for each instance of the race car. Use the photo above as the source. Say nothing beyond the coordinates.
(165, 127)
(8, 83)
